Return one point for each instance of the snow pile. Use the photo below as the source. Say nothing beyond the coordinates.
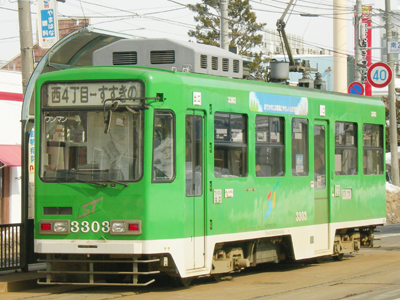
(392, 204)
(388, 156)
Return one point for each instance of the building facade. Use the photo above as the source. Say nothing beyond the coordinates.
(10, 146)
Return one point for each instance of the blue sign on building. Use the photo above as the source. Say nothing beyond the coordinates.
(48, 26)
(47, 23)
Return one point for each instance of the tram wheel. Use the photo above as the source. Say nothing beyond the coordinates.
(319, 259)
(216, 277)
(338, 257)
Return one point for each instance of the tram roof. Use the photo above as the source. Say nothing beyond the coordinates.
(76, 50)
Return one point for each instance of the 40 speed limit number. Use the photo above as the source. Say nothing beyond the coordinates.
(379, 75)
(94, 227)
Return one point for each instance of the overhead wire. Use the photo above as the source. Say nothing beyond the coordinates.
(276, 4)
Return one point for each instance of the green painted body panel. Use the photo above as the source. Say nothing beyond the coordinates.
(258, 203)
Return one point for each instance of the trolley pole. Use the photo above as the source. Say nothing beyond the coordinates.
(392, 103)
(25, 38)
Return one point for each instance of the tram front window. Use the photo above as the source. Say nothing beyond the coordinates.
(75, 147)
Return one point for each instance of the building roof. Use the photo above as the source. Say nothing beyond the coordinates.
(10, 155)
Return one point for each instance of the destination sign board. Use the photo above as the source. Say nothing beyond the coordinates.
(61, 94)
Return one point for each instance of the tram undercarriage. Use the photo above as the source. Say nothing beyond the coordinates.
(229, 257)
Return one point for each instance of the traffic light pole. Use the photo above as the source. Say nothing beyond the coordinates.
(392, 103)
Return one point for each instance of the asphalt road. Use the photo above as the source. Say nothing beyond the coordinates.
(372, 273)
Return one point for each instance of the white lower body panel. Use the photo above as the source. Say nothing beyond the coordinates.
(308, 241)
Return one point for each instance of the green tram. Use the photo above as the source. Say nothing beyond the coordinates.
(160, 158)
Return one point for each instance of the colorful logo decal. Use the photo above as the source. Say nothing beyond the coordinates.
(281, 104)
(269, 202)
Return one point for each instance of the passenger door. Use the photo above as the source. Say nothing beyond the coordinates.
(195, 196)
(321, 185)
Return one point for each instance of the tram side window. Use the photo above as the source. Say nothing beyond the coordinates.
(345, 148)
(299, 147)
(270, 149)
(230, 145)
(373, 149)
(163, 146)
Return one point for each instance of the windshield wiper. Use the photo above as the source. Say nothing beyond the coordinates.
(83, 172)
(92, 182)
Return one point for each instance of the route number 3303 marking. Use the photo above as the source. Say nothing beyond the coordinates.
(94, 227)
(301, 216)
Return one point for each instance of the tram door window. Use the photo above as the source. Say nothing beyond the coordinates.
(163, 146)
(195, 202)
(300, 147)
(373, 149)
(321, 186)
(319, 157)
(230, 145)
(345, 148)
(194, 163)
(270, 149)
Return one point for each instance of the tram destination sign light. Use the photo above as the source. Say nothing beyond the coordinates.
(379, 75)
(63, 94)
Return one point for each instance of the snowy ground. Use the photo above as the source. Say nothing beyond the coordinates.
(392, 204)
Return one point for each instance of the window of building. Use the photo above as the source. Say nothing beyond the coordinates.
(373, 149)
(299, 147)
(163, 146)
(345, 148)
(270, 149)
(230, 145)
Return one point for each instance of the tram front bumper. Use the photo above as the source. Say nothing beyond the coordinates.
(88, 247)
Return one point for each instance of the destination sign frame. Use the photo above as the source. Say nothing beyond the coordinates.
(92, 93)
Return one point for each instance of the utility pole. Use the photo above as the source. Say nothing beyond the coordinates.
(26, 43)
(357, 71)
(224, 25)
(340, 46)
(392, 102)
(25, 38)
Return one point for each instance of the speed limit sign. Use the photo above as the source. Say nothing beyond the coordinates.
(379, 75)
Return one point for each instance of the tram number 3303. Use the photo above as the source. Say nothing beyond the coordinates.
(301, 216)
(85, 226)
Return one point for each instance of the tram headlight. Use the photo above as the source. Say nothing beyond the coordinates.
(118, 227)
(126, 227)
(60, 227)
(54, 227)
